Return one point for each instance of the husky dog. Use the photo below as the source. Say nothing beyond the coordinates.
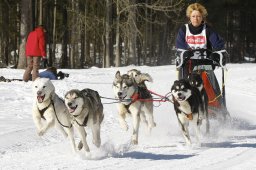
(195, 80)
(50, 110)
(130, 102)
(87, 110)
(188, 106)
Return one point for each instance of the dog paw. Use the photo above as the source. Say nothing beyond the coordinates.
(88, 154)
(124, 126)
(96, 143)
(40, 133)
(199, 122)
(153, 125)
(80, 145)
(87, 149)
(135, 142)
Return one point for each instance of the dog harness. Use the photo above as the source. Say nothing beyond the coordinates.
(43, 110)
(142, 93)
(85, 120)
(188, 115)
(134, 97)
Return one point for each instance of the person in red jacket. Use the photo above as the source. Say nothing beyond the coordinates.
(35, 50)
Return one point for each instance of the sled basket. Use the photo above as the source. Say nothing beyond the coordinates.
(202, 63)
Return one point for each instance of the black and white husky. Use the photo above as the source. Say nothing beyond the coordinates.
(86, 109)
(127, 92)
(188, 106)
(49, 110)
(196, 80)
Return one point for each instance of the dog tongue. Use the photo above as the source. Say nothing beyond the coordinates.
(182, 98)
(72, 109)
(40, 99)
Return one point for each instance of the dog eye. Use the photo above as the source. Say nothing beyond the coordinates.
(44, 86)
(35, 86)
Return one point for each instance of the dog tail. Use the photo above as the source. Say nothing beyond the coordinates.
(146, 77)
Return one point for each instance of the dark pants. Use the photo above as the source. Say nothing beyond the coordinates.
(33, 64)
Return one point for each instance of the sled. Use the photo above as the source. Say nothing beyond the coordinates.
(204, 62)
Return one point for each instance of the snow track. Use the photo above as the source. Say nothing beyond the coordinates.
(229, 146)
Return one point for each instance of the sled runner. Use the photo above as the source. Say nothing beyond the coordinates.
(204, 62)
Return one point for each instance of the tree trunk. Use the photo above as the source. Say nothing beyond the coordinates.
(25, 26)
(108, 32)
(64, 51)
(132, 34)
(52, 62)
(117, 51)
(40, 21)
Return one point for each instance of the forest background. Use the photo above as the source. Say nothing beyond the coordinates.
(114, 33)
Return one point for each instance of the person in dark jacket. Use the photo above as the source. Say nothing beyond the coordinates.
(35, 50)
(197, 35)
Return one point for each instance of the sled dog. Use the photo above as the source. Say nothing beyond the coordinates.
(188, 106)
(127, 91)
(87, 111)
(139, 77)
(49, 110)
(195, 80)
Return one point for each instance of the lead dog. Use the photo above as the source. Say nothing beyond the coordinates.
(188, 106)
(127, 92)
(87, 110)
(49, 110)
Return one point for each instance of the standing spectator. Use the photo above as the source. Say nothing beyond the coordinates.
(35, 49)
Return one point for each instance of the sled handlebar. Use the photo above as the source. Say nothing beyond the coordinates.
(201, 54)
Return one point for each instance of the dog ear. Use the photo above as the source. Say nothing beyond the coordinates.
(118, 74)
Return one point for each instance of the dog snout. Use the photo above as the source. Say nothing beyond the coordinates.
(39, 93)
(69, 104)
(119, 93)
(179, 94)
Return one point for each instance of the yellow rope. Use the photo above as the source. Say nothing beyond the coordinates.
(221, 89)
(215, 98)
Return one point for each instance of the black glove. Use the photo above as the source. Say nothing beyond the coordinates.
(187, 54)
(182, 56)
(217, 58)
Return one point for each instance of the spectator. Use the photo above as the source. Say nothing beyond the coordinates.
(51, 73)
(35, 50)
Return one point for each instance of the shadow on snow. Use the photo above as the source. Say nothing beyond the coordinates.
(151, 156)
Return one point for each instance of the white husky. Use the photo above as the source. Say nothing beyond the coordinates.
(49, 110)
(131, 99)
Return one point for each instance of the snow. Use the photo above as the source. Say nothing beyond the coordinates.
(229, 146)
